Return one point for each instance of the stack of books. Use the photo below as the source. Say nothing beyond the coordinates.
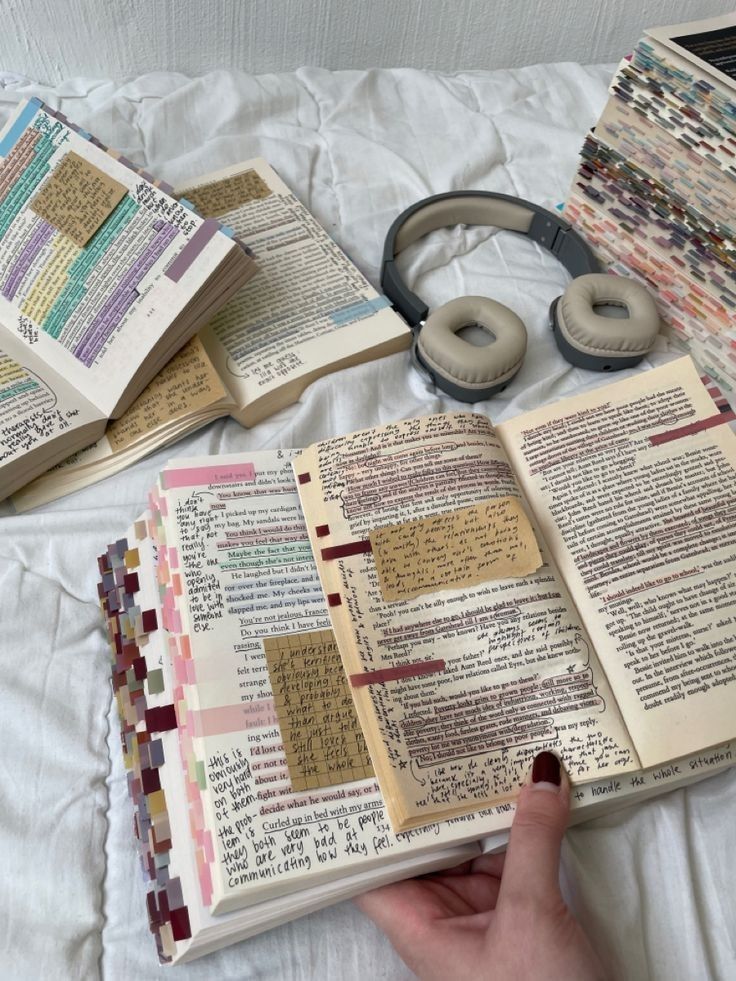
(655, 193)
(106, 275)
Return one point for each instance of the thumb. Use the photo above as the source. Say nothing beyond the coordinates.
(532, 867)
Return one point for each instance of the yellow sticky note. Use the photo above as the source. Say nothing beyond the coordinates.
(77, 197)
(156, 802)
(185, 385)
(132, 558)
(491, 540)
(323, 741)
(219, 197)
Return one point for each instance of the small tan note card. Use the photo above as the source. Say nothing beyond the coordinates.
(322, 737)
(77, 197)
(219, 197)
(491, 540)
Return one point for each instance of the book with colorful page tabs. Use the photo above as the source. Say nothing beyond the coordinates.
(307, 313)
(565, 581)
(655, 192)
(252, 781)
(104, 276)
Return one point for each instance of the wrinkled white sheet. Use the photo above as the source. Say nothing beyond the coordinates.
(655, 885)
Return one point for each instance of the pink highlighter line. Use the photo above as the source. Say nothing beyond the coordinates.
(199, 476)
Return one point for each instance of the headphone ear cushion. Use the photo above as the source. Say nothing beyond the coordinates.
(468, 365)
(594, 336)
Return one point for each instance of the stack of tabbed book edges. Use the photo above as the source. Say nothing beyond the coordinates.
(655, 195)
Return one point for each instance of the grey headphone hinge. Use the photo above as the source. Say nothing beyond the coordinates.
(559, 238)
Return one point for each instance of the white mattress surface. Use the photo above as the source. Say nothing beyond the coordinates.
(655, 885)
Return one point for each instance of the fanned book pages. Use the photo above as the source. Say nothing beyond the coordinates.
(595, 617)
(103, 277)
(255, 800)
(308, 312)
(655, 191)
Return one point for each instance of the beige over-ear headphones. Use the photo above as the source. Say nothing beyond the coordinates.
(601, 322)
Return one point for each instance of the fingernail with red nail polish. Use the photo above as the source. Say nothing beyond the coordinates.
(546, 769)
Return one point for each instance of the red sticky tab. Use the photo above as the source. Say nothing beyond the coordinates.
(321, 531)
(333, 599)
(153, 914)
(150, 781)
(304, 478)
(130, 583)
(150, 622)
(160, 719)
(692, 428)
(180, 924)
(396, 673)
(349, 548)
(139, 668)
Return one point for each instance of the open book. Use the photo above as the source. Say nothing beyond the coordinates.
(103, 277)
(308, 312)
(468, 651)
(255, 801)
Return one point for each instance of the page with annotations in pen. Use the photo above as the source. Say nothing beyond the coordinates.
(309, 310)
(185, 394)
(460, 673)
(634, 487)
(37, 410)
(240, 587)
(132, 602)
(96, 260)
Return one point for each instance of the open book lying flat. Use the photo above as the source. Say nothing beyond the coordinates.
(103, 277)
(309, 311)
(617, 646)
(255, 796)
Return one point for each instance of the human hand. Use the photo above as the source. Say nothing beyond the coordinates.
(499, 916)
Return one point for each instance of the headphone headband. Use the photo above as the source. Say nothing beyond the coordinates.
(477, 208)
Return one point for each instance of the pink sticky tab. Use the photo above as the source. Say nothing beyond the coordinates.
(173, 558)
(222, 719)
(189, 671)
(175, 621)
(205, 881)
(216, 474)
(209, 852)
(180, 670)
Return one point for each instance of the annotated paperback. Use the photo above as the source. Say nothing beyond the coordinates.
(308, 312)
(617, 650)
(565, 581)
(104, 276)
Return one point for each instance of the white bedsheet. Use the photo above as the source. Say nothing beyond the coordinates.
(655, 885)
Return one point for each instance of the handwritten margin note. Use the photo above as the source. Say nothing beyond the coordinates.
(323, 740)
(465, 547)
(77, 197)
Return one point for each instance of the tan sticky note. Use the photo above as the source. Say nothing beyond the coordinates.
(491, 540)
(185, 385)
(132, 558)
(77, 197)
(219, 197)
(322, 738)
